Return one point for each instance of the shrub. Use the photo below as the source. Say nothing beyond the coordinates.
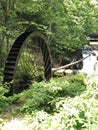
(44, 95)
(3, 99)
(60, 104)
(78, 113)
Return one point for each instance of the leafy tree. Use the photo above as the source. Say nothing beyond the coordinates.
(7, 15)
(65, 23)
(73, 22)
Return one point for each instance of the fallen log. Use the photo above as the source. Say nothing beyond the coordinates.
(70, 64)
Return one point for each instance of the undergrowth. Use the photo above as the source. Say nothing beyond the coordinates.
(66, 103)
(44, 95)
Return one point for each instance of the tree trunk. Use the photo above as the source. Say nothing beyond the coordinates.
(5, 11)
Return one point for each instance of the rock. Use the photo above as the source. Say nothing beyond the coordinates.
(61, 71)
(68, 72)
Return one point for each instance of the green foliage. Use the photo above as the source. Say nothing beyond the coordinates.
(78, 78)
(44, 95)
(1, 75)
(3, 99)
(30, 66)
(71, 26)
(77, 113)
(25, 68)
(61, 103)
(65, 23)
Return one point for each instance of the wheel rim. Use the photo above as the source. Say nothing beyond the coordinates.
(38, 44)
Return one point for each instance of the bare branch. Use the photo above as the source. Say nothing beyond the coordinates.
(70, 64)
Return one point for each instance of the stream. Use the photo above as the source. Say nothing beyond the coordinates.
(90, 64)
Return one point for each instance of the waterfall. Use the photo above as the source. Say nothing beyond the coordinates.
(90, 64)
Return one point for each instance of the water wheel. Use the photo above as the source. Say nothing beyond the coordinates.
(28, 60)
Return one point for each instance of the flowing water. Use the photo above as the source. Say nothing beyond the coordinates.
(90, 64)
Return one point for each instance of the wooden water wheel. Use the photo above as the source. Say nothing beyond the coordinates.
(28, 59)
